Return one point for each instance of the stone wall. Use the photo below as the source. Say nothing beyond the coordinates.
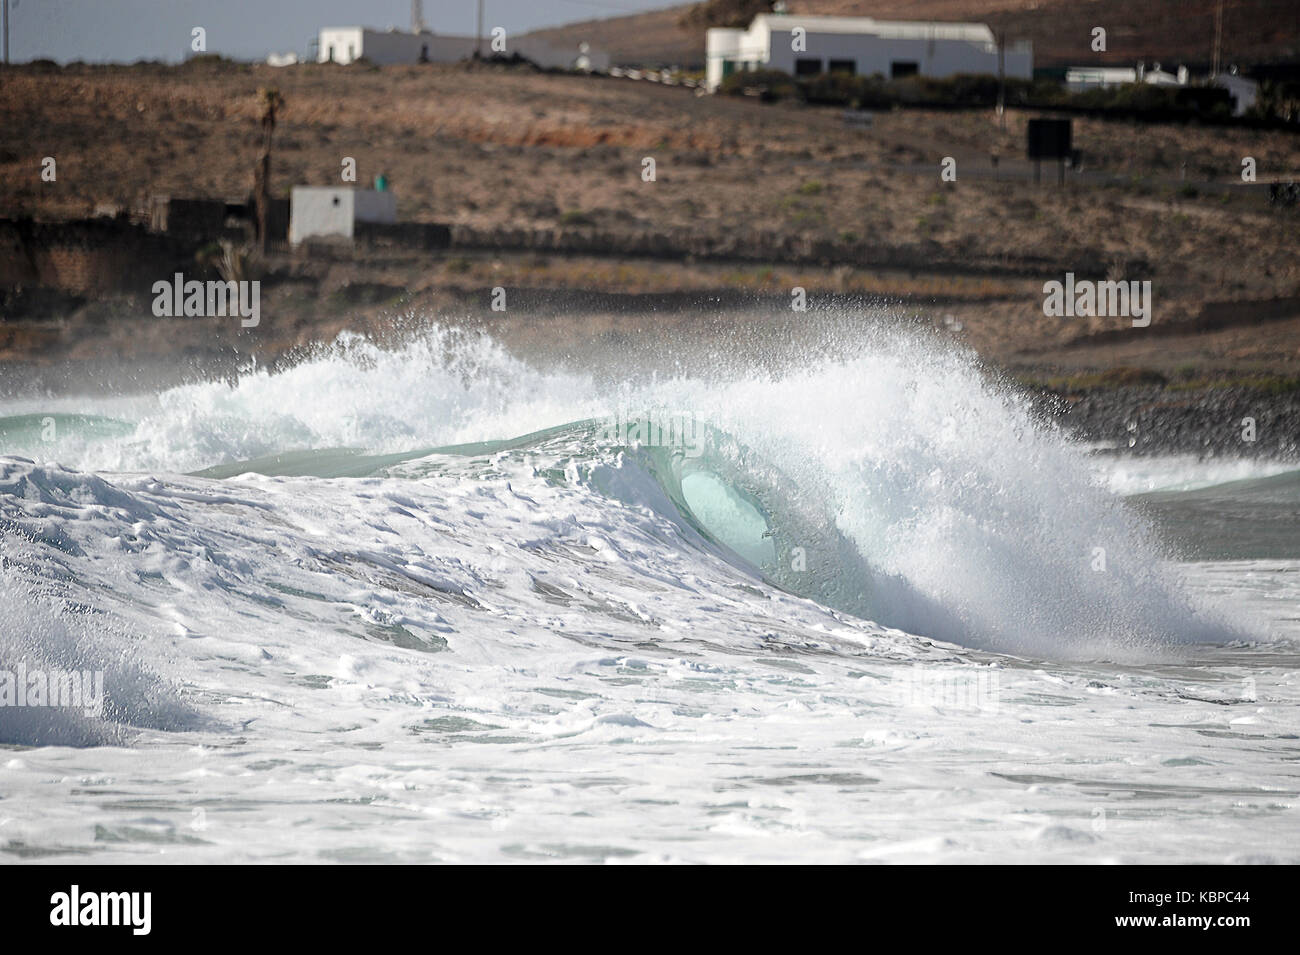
(90, 257)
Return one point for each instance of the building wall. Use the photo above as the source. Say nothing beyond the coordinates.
(383, 47)
(1243, 91)
(870, 54)
(1083, 78)
(370, 205)
(727, 50)
(89, 256)
(340, 44)
(320, 213)
(332, 212)
(767, 46)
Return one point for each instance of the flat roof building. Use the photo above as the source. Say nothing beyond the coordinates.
(1080, 78)
(332, 212)
(384, 47)
(808, 45)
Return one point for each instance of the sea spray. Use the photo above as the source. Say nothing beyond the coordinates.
(969, 520)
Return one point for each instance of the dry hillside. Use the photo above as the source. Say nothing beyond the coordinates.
(1167, 31)
(509, 149)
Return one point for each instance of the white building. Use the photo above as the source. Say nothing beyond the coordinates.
(333, 211)
(805, 46)
(1243, 91)
(1080, 78)
(383, 47)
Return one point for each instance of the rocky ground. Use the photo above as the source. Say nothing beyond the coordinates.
(1221, 420)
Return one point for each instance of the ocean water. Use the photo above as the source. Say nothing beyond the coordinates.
(440, 603)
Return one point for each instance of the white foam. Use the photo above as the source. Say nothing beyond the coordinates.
(935, 474)
(471, 660)
(1179, 472)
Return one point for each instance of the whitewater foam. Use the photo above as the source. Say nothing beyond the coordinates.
(554, 648)
(938, 476)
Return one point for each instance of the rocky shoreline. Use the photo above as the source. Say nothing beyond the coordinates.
(1230, 421)
(110, 345)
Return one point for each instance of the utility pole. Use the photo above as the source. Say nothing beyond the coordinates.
(1218, 37)
(6, 25)
(1002, 80)
(478, 35)
(417, 17)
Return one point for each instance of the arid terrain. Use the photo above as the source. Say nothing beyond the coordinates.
(864, 210)
(515, 149)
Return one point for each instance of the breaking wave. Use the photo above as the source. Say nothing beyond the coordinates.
(894, 480)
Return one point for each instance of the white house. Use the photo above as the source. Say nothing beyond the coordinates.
(1080, 78)
(383, 47)
(1243, 91)
(334, 211)
(805, 46)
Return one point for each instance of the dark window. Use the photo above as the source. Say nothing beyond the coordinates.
(807, 66)
(901, 68)
(843, 66)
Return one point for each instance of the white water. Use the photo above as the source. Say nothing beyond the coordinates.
(462, 659)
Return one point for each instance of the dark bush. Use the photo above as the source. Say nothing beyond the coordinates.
(771, 84)
(844, 89)
(974, 91)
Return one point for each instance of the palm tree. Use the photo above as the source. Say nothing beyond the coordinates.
(272, 102)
